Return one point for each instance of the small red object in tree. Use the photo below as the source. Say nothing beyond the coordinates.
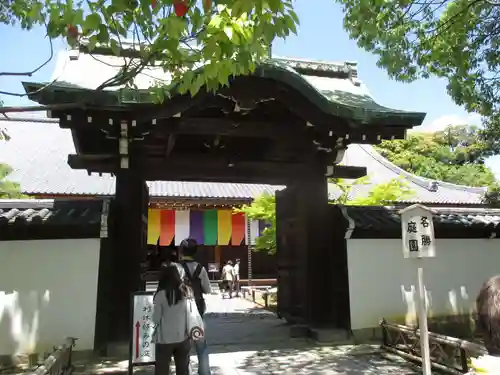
(72, 31)
(154, 4)
(181, 8)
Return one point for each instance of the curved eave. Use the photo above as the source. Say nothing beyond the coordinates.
(328, 101)
(60, 93)
(354, 107)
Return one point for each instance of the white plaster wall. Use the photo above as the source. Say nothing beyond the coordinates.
(48, 291)
(382, 283)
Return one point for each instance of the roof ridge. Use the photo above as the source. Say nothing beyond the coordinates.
(125, 44)
(307, 67)
(421, 181)
(326, 62)
(134, 45)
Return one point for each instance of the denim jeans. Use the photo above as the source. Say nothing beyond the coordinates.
(203, 361)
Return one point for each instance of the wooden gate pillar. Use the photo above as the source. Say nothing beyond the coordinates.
(305, 252)
(314, 241)
(129, 249)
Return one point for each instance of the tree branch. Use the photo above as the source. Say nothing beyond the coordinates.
(30, 73)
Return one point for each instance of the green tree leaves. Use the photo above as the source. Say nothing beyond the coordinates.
(393, 191)
(456, 155)
(454, 39)
(264, 206)
(8, 189)
(227, 37)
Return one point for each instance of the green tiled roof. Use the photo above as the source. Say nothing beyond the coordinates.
(344, 97)
(333, 87)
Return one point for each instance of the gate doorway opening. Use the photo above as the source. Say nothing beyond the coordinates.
(288, 125)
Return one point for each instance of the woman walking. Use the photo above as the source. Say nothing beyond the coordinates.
(169, 315)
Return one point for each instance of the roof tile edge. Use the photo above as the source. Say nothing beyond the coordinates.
(351, 65)
(26, 203)
(441, 210)
(421, 181)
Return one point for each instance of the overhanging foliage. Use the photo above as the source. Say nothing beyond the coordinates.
(229, 37)
(454, 39)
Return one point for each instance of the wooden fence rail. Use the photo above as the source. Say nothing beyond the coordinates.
(263, 291)
(59, 362)
(448, 354)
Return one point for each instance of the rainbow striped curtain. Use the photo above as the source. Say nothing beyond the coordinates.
(207, 227)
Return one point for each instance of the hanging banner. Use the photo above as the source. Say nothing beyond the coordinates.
(196, 226)
(153, 226)
(210, 227)
(141, 349)
(207, 227)
(181, 226)
(167, 227)
(238, 233)
(224, 226)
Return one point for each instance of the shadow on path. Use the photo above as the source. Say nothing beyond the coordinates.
(340, 360)
(244, 339)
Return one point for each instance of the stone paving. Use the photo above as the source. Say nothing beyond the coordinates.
(244, 339)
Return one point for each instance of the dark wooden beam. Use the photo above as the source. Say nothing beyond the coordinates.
(294, 132)
(197, 169)
(347, 171)
(194, 169)
(234, 126)
(228, 127)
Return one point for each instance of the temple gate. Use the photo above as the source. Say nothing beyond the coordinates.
(287, 124)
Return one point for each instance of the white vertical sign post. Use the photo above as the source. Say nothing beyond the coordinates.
(141, 347)
(418, 243)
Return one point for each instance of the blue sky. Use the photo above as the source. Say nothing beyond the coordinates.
(320, 36)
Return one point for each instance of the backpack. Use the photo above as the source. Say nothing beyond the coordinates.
(194, 282)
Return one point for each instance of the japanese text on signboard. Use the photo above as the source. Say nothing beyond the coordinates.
(143, 349)
(417, 232)
(146, 326)
(416, 238)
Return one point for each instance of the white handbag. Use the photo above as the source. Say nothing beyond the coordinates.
(194, 321)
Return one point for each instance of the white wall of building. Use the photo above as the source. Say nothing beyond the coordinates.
(382, 283)
(48, 291)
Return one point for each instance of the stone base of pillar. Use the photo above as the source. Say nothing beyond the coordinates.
(335, 336)
(322, 335)
(118, 349)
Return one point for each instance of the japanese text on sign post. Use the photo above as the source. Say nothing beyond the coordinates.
(417, 232)
(143, 350)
